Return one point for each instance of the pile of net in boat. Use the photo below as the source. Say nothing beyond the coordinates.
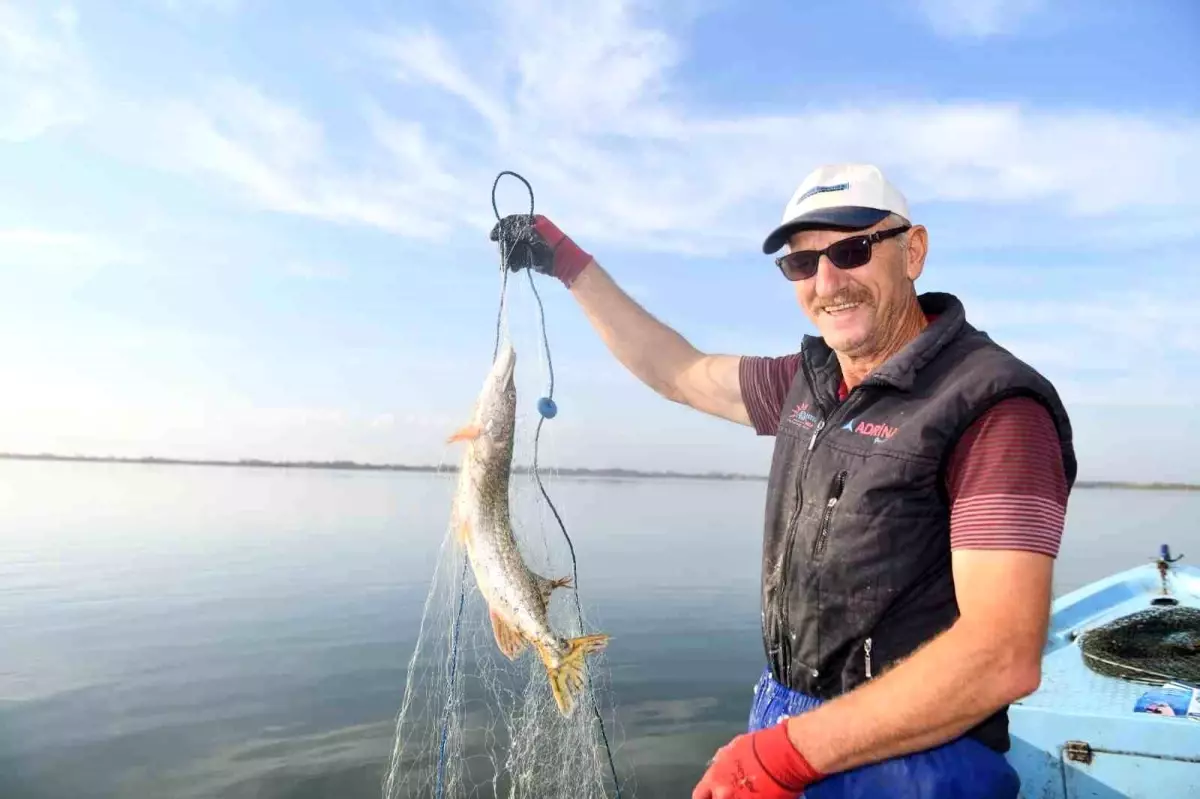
(1153, 645)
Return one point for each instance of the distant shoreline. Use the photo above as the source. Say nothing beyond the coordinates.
(453, 468)
(375, 467)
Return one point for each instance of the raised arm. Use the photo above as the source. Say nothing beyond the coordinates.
(656, 354)
(653, 352)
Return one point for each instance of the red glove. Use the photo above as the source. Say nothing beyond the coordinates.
(538, 243)
(569, 259)
(758, 765)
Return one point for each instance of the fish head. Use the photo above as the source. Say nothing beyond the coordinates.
(497, 410)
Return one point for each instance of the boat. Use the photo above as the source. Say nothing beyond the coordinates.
(1085, 733)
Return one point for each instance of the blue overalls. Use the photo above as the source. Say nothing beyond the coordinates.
(961, 769)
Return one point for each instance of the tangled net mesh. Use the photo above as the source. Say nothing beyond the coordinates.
(1151, 645)
(472, 723)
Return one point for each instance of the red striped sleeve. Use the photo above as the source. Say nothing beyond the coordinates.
(765, 383)
(1006, 482)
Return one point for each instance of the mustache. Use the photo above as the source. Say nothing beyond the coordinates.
(847, 295)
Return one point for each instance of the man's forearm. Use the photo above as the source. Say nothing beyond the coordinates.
(652, 351)
(941, 691)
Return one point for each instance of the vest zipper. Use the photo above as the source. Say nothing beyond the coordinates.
(799, 491)
(790, 537)
(839, 485)
(812, 442)
(784, 637)
(785, 640)
(867, 656)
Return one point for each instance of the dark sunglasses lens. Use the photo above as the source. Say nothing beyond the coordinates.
(799, 265)
(849, 253)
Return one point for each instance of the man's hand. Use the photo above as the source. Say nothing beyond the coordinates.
(535, 242)
(758, 765)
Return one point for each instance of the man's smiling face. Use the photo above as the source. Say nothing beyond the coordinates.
(856, 309)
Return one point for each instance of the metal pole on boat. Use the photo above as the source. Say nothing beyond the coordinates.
(1164, 564)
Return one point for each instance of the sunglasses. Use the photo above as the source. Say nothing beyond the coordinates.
(844, 254)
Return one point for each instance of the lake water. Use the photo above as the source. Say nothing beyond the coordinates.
(189, 631)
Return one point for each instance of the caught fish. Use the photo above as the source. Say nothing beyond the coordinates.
(517, 598)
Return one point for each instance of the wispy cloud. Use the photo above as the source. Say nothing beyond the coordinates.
(192, 6)
(277, 158)
(314, 271)
(977, 18)
(56, 254)
(628, 159)
(44, 80)
(422, 56)
(1109, 347)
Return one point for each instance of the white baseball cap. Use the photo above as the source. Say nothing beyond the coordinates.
(838, 197)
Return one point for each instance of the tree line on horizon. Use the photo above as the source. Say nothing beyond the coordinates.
(564, 471)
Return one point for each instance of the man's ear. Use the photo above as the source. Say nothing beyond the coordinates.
(918, 247)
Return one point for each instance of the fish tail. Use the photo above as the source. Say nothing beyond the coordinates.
(566, 675)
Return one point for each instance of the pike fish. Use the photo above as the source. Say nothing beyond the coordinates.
(517, 598)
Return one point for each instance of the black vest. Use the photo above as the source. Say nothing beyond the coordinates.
(856, 553)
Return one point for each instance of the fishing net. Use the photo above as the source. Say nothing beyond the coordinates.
(474, 724)
(471, 722)
(1153, 645)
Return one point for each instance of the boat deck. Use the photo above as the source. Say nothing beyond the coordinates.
(1117, 752)
(1067, 683)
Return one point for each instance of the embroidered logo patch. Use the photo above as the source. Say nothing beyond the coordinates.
(876, 430)
(801, 416)
(821, 190)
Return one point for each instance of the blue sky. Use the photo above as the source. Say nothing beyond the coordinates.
(250, 228)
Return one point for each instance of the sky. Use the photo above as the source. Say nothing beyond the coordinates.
(257, 228)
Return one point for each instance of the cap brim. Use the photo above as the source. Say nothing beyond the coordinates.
(846, 217)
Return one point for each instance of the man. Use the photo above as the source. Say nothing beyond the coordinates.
(915, 503)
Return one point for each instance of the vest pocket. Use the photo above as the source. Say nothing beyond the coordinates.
(839, 485)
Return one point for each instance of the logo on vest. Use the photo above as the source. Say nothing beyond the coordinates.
(876, 430)
(801, 416)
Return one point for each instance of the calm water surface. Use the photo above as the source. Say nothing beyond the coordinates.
(191, 631)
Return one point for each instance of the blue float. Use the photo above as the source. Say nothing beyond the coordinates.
(547, 408)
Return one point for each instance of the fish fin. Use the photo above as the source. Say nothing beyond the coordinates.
(566, 679)
(508, 638)
(466, 433)
(547, 586)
